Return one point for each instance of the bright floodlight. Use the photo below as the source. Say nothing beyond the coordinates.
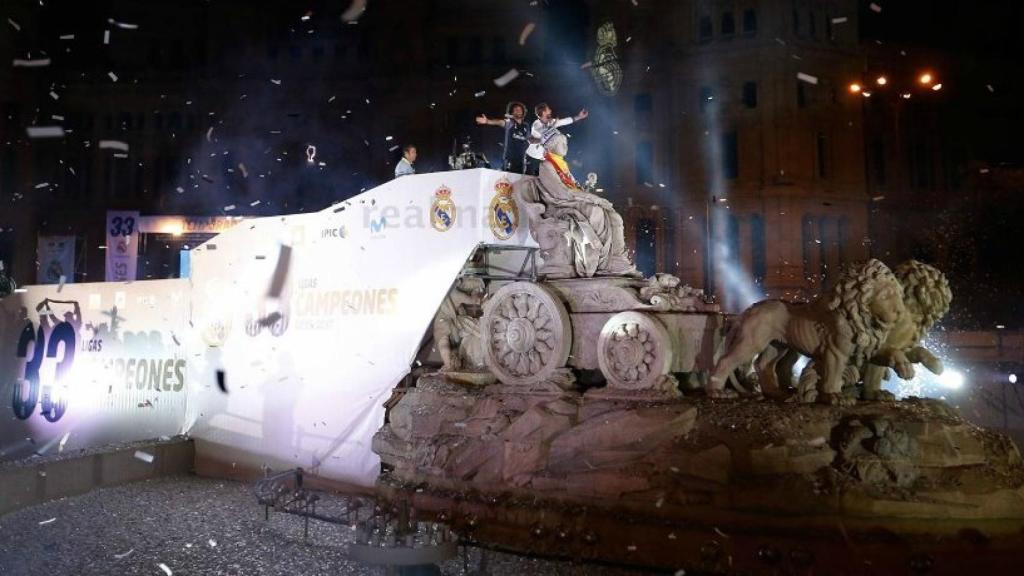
(925, 78)
(882, 81)
(1013, 378)
(952, 379)
(854, 88)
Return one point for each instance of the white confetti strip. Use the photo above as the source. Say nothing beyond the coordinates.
(504, 79)
(165, 569)
(114, 145)
(54, 95)
(525, 34)
(990, 88)
(64, 439)
(275, 81)
(120, 556)
(229, 207)
(212, 543)
(42, 185)
(60, 286)
(875, 7)
(123, 25)
(14, 24)
(254, 203)
(480, 94)
(354, 11)
(47, 521)
(44, 131)
(807, 78)
(67, 36)
(112, 76)
(144, 456)
(106, 36)
(33, 63)
(839, 20)
(245, 172)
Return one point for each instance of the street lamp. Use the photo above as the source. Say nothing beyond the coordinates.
(925, 78)
(854, 88)
(881, 81)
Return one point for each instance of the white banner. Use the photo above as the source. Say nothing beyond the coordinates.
(306, 375)
(122, 246)
(91, 365)
(56, 257)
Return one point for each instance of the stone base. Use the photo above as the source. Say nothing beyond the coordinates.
(909, 468)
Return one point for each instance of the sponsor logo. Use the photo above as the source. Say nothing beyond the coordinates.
(442, 210)
(338, 232)
(503, 214)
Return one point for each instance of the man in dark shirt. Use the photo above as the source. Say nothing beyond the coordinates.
(517, 131)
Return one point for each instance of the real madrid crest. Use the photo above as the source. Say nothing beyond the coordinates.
(503, 213)
(442, 210)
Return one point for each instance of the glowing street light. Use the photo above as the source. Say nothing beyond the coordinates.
(882, 81)
(925, 78)
(854, 88)
(952, 379)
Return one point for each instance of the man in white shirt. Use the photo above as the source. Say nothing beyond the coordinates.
(543, 130)
(404, 166)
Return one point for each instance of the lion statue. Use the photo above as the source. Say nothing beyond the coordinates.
(926, 297)
(845, 327)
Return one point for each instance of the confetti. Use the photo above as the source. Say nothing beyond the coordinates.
(112, 76)
(212, 543)
(275, 81)
(166, 570)
(254, 203)
(839, 20)
(120, 556)
(106, 36)
(284, 258)
(209, 133)
(990, 88)
(527, 30)
(222, 381)
(807, 78)
(67, 37)
(245, 173)
(42, 185)
(875, 7)
(114, 145)
(47, 521)
(60, 285)
(64, 439)
(123, 25)
(14, 24)
(480, 94)
(33, 63)
(229, 207)
(354, 11)
(144, 456)
(54, 95)
(504, 79)
(44, 131)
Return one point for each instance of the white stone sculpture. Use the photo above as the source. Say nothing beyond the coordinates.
(457, 326)
(579, 233)
(844, 328)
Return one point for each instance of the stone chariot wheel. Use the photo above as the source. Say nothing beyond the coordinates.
(526, 333)
(634, 352)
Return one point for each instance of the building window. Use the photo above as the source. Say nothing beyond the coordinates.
(728, 23)
(812, 24)
(646, 246)
(749, 22)
(758, 261)
(796, 22)
(844, 241)
(704, 28)
(822, 156)
(644, 163)
(801, 94)
(730, 155)
(707, 97)
(750, 94)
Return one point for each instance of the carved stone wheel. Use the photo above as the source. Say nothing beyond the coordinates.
(634, 351)
(526, 333)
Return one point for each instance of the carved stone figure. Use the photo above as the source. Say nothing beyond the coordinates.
(667, 292)
(846, 327)
(457, 326)
(7, 285)
(579, 233)
(926, 297)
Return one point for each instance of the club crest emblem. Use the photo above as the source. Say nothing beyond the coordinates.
(442, 210)
(503, 213)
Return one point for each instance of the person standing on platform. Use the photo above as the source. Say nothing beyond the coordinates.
(544, 128)
(517, 133)
(405, 165)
